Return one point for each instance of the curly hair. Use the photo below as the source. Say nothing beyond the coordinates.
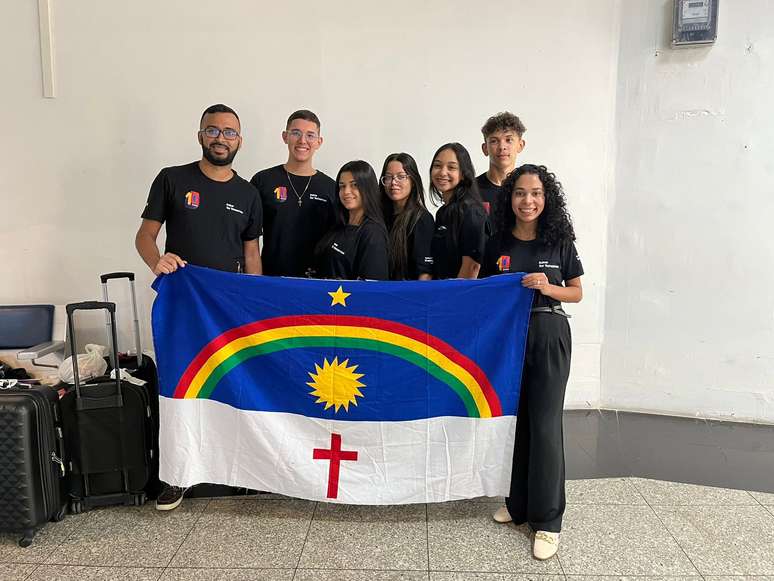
(505, 121)
(554, 223)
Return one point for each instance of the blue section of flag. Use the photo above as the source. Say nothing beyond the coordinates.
(486, 320)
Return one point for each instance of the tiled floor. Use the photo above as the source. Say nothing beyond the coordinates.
(616, 527)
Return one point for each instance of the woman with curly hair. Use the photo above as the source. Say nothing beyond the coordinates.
(356, 247)
(461, 225)
(409, 223)
(534, 234)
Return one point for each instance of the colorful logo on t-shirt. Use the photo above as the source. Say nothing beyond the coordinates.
(281, 193)
(504, 263)
(192, 200)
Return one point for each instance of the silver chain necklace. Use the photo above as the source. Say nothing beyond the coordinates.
(295, 191)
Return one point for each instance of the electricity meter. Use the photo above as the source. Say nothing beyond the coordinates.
(695, 22)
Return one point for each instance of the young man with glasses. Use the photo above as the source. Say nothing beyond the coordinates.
(213, 217)
(298, 200)
(503, 141)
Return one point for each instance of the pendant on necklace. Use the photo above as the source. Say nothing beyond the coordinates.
(299, 202)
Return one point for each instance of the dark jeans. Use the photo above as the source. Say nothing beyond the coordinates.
(537, 480)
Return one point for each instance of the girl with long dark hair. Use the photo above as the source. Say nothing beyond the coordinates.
(356, 247)
(409, 224)
(461, 226)
(534, 234)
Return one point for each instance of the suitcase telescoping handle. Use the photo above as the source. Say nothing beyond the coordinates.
(93, 306)
(104, 278)
(111, 275)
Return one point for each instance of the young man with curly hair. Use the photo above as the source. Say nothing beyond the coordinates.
(503, 142)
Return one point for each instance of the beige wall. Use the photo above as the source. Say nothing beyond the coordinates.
(133, 77)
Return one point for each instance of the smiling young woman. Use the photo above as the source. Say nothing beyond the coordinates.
(356, 247)
(461, 226)
(534, 234)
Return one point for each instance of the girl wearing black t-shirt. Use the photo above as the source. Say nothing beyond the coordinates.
(356, 248)
(534, 234)
(409, 223)
(461, 226)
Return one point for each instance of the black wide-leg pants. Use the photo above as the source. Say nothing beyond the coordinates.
(537, 479)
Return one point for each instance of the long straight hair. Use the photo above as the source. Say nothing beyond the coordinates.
(406, 220)
(466, 192)
(365, 178)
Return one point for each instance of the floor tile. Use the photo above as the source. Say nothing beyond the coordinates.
(766, 498)
(45, 542)
(367, 537)
(724, 540)
(466, 576)
(370, 575)
(464, 537)
(180, 574)
(678, 494)
(129, 536)
(602, 491)
(738, 578)
(79, 573)
(247, 533)
(15, 571)
(619, 540)
(633, 578)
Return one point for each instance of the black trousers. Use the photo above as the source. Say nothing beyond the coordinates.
(537, 480)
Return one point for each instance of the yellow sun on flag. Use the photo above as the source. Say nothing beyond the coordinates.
(335, 384)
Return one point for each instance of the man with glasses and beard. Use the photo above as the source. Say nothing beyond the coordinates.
(213, 218)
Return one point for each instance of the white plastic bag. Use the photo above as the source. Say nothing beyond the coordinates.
(90, 364)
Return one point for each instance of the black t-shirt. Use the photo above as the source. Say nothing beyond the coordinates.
(419, 256)
(292, 230)
(449, 248)
(488, 191)
(207, 221)
(355, 252)
(559, 262)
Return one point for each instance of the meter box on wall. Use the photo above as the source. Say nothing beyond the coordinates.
(695, 22)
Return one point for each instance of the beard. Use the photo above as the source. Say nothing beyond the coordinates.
(220, 161)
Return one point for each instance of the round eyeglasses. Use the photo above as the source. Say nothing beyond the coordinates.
(298, 134)
(387, 179)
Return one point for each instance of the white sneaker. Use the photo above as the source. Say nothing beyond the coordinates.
(545, 546)
(502, 515)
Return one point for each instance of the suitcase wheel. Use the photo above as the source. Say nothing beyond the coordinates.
(139, 499)
(26, 540)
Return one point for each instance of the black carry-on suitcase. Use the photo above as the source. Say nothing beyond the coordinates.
(31, 467)
(142, 367)
(108, 432)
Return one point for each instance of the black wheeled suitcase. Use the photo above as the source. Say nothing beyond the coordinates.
(31, 465)
(108, 432)
(142, 367)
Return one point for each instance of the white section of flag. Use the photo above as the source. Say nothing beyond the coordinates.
(427, 460)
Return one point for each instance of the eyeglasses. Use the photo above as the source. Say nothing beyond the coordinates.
(298, 134)
(213, 133)
(387, 179)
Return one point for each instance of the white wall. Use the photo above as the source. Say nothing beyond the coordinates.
(133, 77)
(689, 323)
